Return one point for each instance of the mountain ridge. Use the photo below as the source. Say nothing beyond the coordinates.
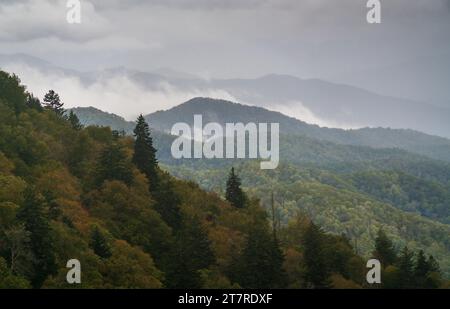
(222, 111)
(326, 103)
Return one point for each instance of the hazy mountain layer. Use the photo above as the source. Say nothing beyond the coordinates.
(311, 100)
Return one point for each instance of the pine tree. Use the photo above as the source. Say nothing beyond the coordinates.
(196, 244)
(422, 269)
(32, 215)
(99, 244)
(433, 265)
(192, 253)
(114, 165)
(317, 274)
(75, 121)
(406, 269)
(12, 92)
(260, 266)
(53, 102)
(144, 153)
(384, 249)
(33, 102)
(168, 202)
(234, 193)
(433, 278)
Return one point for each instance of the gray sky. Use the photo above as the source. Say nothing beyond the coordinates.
(227, 38)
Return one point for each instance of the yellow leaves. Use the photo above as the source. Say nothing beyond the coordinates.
(6, 166)
(340, 282)
(11, 189)
(8, 212)
(129, 267)
(225, 243)
(60, 183)
(78, 215)
(292, 266)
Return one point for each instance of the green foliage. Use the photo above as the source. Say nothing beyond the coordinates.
(384, 249)
(10, 281)
(74, 121)
(234, 193)
(406, 269)
(53, 102)
(12, 92)
(33, 102)
(58, 180)
(409, 193)
(99, 244)
(114, 165)
(32, 215)
(331, 201)
(317, 273)
(260, 265)
(191, 254)
(144, 156)
(168, 202)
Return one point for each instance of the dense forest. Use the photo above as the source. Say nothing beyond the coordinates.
(97, 195)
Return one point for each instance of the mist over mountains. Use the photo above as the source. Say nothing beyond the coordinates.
(129, 92)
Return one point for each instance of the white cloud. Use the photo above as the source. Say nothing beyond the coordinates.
(116, 93)
(298, 110)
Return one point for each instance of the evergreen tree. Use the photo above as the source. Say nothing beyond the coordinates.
(317, 273)
(100, 244)
(74, 121)
(53, 102)
(406, 269)
(260, 266)
(33, 102)
(12, 92)
(384, 249)
(422, 269)
(168, 202)
(192, 253)
(196, 244)
(32, 215)
(114, 165)
(144, 153)
(433, 265)
(234, 193)
(54, 211)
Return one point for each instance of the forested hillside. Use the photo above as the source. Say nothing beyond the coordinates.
(388, 179)
(220, 111)
(336, 204)
(92, 194)
(224, 111)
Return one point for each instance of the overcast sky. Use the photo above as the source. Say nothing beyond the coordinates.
(227, 38)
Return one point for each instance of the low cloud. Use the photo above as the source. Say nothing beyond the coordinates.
(298, 110)
(116, 94)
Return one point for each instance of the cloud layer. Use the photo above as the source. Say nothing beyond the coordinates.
(308, 38)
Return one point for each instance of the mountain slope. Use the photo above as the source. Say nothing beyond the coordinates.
(333, 177)
(223, 111)
(338, 209)
(417, 173)
(92, 116)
